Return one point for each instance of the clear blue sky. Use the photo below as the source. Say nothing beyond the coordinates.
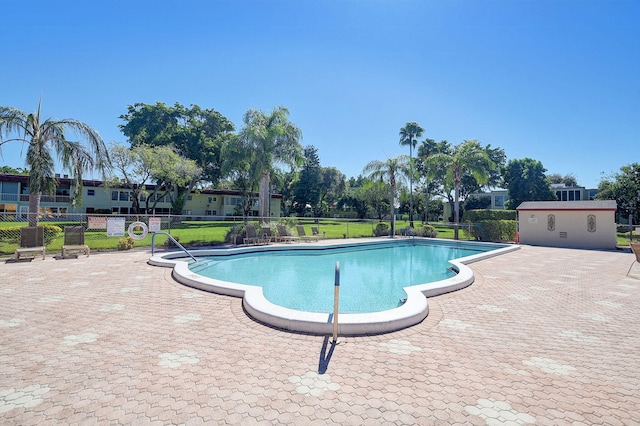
(554, 80)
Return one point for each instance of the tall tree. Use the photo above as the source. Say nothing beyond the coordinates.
(426, 149)
(525, 180)
(239, 165)
(196, 133)
(392, 171)
(307, 189)
(47, 140)
(409, 135)
(154, 172)
(624, 187)
(468, 157)
(332, 187)
(275, 140)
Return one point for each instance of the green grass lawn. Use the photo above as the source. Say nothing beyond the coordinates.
(211, 233)
(207, 233)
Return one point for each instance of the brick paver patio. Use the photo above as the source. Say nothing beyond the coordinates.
(543, 336)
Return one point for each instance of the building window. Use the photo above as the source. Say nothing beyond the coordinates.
(91, 192)
(114, 195)
(591, 223)
(124, 196)
(499, 200)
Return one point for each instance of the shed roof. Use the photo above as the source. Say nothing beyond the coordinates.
(569, 205)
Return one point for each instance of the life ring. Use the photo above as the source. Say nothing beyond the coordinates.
(136, 225)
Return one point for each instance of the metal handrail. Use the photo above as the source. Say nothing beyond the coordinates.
(153, 237)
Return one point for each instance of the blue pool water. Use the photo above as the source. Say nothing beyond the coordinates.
(371, 279)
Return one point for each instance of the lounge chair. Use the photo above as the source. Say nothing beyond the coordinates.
(267, 235)
(252, 236)
(31, 243)
(303, 235)
(283, 235)
(315, 231)
(635, 248)
(74, 241)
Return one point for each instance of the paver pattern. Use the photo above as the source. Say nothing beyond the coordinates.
(543, 336)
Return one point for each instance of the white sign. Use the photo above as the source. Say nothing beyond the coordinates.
(115, 227)
(154, 224)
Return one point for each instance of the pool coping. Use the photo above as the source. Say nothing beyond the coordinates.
(413, 311)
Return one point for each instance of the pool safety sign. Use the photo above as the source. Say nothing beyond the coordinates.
(154, 224)
(115, 227)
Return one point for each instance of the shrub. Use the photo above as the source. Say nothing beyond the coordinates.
(168, 243)
(493, 230)
(126, 243)
(381, 229)
(234, 234)
(427, 231)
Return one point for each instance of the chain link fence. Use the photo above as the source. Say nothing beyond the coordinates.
(112, 232)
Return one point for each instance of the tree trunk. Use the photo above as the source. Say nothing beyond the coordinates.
(393, 211)
(456, 212)
(34, 208)
(263, 198)
(411, 184)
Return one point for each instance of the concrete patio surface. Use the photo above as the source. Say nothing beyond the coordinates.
(543, 336)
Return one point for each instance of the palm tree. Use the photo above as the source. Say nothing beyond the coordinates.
(46, 139)
(274, 139)
(468, 157)
(392, 170)
(409, 135)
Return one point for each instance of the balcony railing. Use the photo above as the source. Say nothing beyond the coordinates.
(43, 198)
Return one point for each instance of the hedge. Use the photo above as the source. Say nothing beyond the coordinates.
(475, 216)
(493, 230)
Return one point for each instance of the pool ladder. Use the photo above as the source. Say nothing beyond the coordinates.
(173, 240)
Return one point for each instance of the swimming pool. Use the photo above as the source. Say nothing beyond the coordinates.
(373, 276)
(258, 306)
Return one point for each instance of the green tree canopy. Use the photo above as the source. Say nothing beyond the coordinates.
(13, 171)
(468, 158)
(332, 187)
(154, 172)
(48, 141)
(393, 171)
(526, 181)
(568, 180)
(307, 189)
(197, 134)
(275, 141)
(409, 135)
(624, 187)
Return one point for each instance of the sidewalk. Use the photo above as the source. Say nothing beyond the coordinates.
(544, 336)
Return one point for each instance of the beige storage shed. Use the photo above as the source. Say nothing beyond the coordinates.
(571, 224)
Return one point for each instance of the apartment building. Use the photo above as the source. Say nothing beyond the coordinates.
(98, 198)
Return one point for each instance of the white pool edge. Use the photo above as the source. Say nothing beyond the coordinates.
(412, 312)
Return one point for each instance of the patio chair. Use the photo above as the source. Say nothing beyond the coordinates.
(31, 243)
(252, 236)
(283, 235)
(303, 235)
(74, 241)
(315, 231)
(267, 235)
(635, 248)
